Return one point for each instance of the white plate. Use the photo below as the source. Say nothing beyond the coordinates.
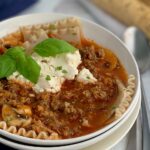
(101, 36)
(105, 143)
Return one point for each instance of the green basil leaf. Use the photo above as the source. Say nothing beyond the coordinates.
(17, 53)
(52, 47)
(7, 66)
(29, 69)
(25, 64)
(34, 69)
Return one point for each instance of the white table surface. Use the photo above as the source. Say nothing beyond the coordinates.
(75, 8)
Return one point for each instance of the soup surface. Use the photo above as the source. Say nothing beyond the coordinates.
(78, 108)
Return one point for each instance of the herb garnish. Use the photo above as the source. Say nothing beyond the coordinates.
(64, 71)
(58, 68)
(48, 78)
(52, 47)
(15, 59)
(88, 77)
(7, 66)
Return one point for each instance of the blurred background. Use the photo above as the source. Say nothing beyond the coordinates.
(115, 15)
(90, 9)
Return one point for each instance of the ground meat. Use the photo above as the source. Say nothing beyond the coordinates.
(77, 109)
(90, 53)
(56, 105)
(62, 111)
(69, 108)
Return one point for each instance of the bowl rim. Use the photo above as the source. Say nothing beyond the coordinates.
(100, 131)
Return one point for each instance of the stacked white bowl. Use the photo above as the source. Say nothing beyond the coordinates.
(109, 135)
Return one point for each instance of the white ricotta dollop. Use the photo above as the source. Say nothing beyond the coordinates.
(54, 71)
(86, 76)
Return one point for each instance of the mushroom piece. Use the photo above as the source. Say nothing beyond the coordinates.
(19, 116)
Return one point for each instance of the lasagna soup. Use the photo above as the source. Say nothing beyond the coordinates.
(55, 83)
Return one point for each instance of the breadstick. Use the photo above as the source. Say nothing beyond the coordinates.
(130, 12)
(147, 2)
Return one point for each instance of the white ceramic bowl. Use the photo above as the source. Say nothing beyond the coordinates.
(92, 31)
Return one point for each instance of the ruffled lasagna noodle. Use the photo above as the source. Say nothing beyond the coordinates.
(29, 133)
(69, 30)
(126, 98)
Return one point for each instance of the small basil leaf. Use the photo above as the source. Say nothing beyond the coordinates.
(33, 69)
(52, 47)
(25, 64)
(22, 67)
(29, 69)
(17, 53)
(7, 66)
